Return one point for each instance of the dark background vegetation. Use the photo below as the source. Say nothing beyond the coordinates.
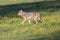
(35, 6)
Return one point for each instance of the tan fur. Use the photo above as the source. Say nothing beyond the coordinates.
(27, 16)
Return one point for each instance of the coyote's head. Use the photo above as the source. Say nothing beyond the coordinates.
(20, 12)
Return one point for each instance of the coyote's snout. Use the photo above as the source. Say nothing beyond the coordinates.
(27, 16)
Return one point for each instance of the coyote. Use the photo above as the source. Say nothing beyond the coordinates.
(27, 16)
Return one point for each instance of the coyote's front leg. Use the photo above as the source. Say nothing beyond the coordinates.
(29, 21)
(24, 20)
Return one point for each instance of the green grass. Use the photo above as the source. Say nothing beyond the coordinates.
(12, 29)
(7, 2)
(49, 29)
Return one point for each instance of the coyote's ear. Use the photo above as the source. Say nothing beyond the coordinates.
(21, 10)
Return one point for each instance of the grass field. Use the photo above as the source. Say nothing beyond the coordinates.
(12, 29)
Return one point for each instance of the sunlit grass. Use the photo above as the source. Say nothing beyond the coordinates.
(7, 2)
